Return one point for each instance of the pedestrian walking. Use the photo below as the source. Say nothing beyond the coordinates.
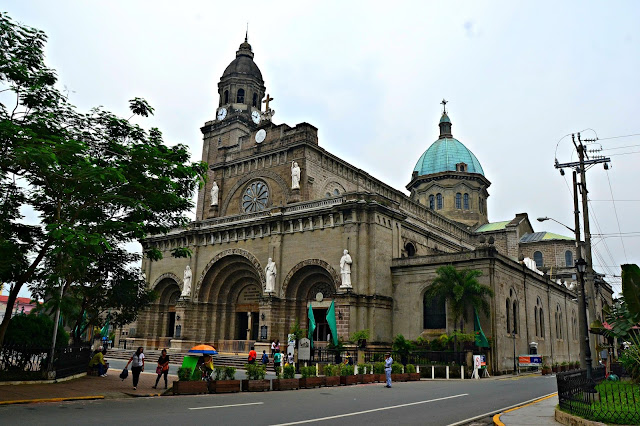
(278, 345)
(265, 358)
(277, 358)
(290, 358)
(273, 347)
(163, 368)
(387, 368)
(252, 356)
(137, 366)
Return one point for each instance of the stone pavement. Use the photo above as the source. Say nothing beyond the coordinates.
(539, 412)
(88, 386)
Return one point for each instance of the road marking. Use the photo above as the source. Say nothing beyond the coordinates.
(320, 419)
(496, 418)
(225, 406)
(502, 410)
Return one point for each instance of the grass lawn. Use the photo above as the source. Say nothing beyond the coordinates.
(619, 404)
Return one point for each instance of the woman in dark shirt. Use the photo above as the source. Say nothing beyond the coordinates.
(163, 368)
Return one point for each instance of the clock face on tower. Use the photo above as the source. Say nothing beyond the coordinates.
(255, 116)
(222, 113)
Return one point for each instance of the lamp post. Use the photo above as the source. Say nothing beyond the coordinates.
(581, 266)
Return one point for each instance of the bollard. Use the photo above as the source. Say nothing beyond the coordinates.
(355, 369)
(462, 371)
(418, 369)
(317, 369)
(447, 372)
(433, 372)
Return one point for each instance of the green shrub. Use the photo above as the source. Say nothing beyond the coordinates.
(255, 371)
(332, 370)
(229, 373)
(630, 359)
(378, 368)
(34, 330)
(396, 368)
(308, 372)
(410, 368)
(436, 345)
(422, 343)
(365, 368)
(346, 370)
(184, 374)
(219, 373)
(378, 357)
(289, 371)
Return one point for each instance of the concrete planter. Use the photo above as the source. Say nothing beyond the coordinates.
(348, 380)
(312, 382)
(414, 377)
(224, 386)
(380, 378)
(332, 381)
(368, 378)
(285, 384)
(256, 385)
(189, 388)
(401, 377)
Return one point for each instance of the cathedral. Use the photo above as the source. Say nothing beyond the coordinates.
(282, 224)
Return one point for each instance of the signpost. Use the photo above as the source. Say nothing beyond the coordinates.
(479, 363)
(530, 360)
(304, 349)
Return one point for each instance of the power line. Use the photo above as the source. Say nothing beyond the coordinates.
(617, 137)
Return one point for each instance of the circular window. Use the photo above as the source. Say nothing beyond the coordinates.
(256, 197)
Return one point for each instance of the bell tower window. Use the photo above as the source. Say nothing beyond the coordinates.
(240, 96)
(255, 100)
(432, 202)
(466, 201)
(439, 201)
(226, 97)
(458, 201)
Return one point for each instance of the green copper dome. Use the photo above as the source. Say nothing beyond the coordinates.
(445, 153)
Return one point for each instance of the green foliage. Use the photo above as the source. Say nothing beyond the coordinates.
(378, 368)
(339, 347)
(34, 330)
(437, 345)
(184, 374)
(229, 373)
(396, 368)
(96, 181)
(289, 371)
(631, 289)
(630, 359)
(298, 332)
(365, 368)
(346, 370)
(401, 345)
(461, 289)
(219, 373)
(422, 343)
(308, 371)
(462, 337)
(255, 371)
(410, 368)
(332, 370)
(359, 335)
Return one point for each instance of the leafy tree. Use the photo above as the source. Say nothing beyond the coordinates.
(34, 330)
(96, 181)
(461, 290)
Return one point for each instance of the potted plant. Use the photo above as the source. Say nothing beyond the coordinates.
(546, 369)
(360, 338)
(346, 375)
(225, 380)
(410, 369)
(186, 386)
(402, 347)
(289, 381)
(366, 370)
(255, 381)
(309, 378)
(331, 375)
(555, 367)
(378, 372)
(396, 373)
(576, 365)
(564, 366)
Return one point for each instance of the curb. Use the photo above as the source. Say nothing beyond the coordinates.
(496, 418)
(33, 401)
(42, 382)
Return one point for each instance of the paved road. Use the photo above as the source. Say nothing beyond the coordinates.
(425, 402)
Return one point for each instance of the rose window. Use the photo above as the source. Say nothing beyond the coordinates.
(256, 197)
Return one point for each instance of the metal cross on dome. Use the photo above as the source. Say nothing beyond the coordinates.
(266, 101)
(444, 106)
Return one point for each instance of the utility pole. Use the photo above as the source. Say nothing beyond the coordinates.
(588, 291)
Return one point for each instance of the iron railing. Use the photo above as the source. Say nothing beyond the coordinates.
(597, 399)
(21, 362)
(417, 357)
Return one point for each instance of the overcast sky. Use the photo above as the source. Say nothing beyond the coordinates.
(518, 76)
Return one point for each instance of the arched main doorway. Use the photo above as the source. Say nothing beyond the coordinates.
(168, 292)
(228, 297)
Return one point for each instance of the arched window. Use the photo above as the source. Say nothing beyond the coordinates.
(255, 100)
(568, 258)
(226, 96)
(466, 201)
(537, 257)
(508, 316)
(458, 200)
(328, 195)
(535, 314)
(434, 313)
(480, 205)
(431, 202)
(515, 317)
(240, 96)
(541, 316)
(410, 249)
(336, 192)
(439, 201)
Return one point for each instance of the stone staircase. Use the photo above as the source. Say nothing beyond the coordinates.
(228, 360)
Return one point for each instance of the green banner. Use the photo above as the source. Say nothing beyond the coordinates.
(331, 319)
(481, 339)
(312, 325)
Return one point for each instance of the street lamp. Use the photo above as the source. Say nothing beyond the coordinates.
(581, 266)
(542, 219)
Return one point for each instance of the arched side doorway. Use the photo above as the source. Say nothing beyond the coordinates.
(168, 292)
(228, 297)
(310, 283)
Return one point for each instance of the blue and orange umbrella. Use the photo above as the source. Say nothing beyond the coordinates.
(203, 349)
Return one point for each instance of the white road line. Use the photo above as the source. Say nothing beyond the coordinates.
(225, 406)
(320, 419)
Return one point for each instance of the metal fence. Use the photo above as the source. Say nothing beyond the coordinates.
(599, 400)
(418, 357)
(20, 362)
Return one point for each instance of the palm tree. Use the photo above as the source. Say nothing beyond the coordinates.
(461, 289)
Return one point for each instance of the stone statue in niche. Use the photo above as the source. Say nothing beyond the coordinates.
(270, 271)
(214, 194)
(186, 290)
(295, 175)
(345, 269)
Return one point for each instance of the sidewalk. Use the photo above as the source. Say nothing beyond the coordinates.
(88, 387)
(539, 412)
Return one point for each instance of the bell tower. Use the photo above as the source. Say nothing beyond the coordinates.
(241, 86)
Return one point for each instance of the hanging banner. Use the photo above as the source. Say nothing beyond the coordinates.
(530, 360)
